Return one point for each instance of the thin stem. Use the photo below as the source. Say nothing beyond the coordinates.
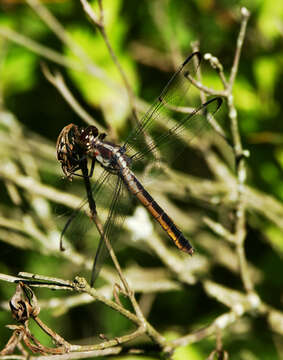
(245, 17)
(81, 285)
(95, 219)
(60, 32)
(216, 64)
(57, 81)
(240, 209)
(206, 89)
(56, 337)
(53, 283)
(39, 49)
(195, 47)
(244, 269)
(99, 22)
(219, 230)
(110, 343)
(100, 25)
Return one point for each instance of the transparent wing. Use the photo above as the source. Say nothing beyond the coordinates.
(195, 123)
(114, 220)
(74, 219)
(108, 192)
(164, 109)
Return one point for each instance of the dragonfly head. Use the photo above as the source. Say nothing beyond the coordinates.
(68, 151)
(87, 137)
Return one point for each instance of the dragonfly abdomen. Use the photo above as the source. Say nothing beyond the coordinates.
(167, 224)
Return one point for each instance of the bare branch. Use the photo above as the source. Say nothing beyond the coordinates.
(60, 32)
(39, 49)
(245, 17)
(57, 80)
(216, 64)
(99, 22)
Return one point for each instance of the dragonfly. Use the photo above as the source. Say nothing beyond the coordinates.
(77, 146)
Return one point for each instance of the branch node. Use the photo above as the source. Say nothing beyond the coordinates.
(245, 12)
(254, 300)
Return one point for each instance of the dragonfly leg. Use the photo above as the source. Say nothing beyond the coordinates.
(91, 168)
(79, 167)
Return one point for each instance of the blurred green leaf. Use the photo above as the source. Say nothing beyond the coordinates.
(270, 18)
(93, 89)
(6, 21)
(248, 105)
(135, 357)
(204, 4)
(25, 21)
(245, 96)
(31, 25)
(211, 79)
(183, 352)
(279, 156)
(275, 236)
(111, 10)
(63, 8)
(188, 352)
(17, 70)
(266, 72)
(269, 172)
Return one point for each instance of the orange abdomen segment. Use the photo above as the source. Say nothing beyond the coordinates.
(161, 217)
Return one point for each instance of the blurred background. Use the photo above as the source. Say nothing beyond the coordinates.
(150, 38)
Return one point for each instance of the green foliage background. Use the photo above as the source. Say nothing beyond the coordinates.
(164, 27)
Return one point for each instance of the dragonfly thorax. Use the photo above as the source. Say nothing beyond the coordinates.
(109, 155)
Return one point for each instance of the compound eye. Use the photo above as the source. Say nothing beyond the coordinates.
(67, 148)
(71, 135)
(88, 133)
